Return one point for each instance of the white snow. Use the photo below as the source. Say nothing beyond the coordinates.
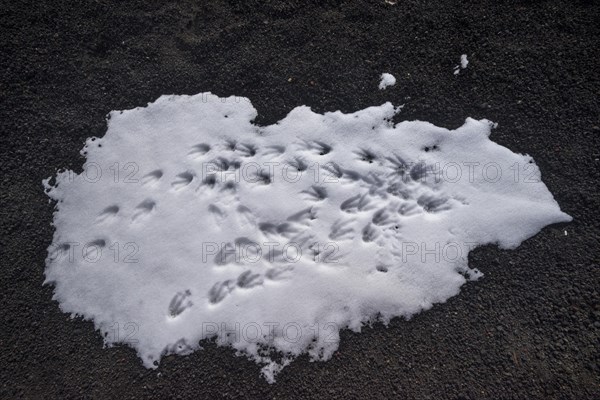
(387, 80)
(463, 64)
(189, 222)
(463, 61)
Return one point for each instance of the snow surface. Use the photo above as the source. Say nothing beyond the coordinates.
(387, 80)
(189, 222)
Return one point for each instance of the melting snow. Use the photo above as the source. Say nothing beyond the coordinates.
(189, 222)
(463, 64)
(463, 61)
(387, 80)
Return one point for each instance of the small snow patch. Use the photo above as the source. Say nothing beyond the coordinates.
(387, 80)
(463, 64)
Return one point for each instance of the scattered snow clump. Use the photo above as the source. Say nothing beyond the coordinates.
(463, 64)
(463, 61)
(387, 80)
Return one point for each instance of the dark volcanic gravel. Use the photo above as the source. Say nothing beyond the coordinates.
(529, 329)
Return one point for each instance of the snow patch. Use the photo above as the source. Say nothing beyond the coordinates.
(189, 222)
(463, 61)
(387, 80)
(463, 64)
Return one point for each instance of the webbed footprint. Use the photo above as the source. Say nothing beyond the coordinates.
(179, 303)
(220, 290)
